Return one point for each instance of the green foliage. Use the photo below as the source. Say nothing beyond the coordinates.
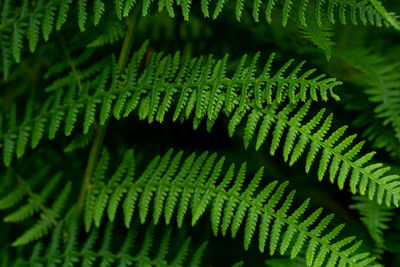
(200, 82)
(198, 187)
(340, 157)
(69, 251)
(382, 82)
(283, 262)
(195, 85)
(83, 81)
(44, 17)
(320, 36)
(33, 204)
(374, 216)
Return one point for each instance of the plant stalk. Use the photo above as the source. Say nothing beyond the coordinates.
(101, 129)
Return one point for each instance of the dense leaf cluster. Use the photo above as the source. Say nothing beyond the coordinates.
(87, 89)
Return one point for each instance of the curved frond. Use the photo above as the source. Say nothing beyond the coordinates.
(167, 82)
(200, 88)
(340, 157)
(174, 186)
(389, 17)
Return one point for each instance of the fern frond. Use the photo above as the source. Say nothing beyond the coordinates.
(27, 20)
(368, 12)
(341, 158)
(112, 251)
(111, 33)
(163, 85)
(381, 81)
(379, 136)
(80, 141)
(31, 19)
(155, 91)
(374, 216)
(389, 17)
(76, 75)
(319, 35)
(200, 184)
(31, 204)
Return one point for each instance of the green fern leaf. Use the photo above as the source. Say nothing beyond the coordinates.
(196, 184)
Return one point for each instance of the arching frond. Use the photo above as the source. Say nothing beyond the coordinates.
(340, 156)
(174, 186)
(79, 79)
(200, 87)
(391, 18)
(165, 82)
(367, 12)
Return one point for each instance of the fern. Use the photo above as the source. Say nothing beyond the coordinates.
(283, 262)
(201, 94)
(375, 217)
(381, 137)
(196, 187)
(80, 141)
(35, 204)
(113, 31)
(162, 74)
(389, 17)
(78, 77)
(69, 251)
(382, 81)
(340, 157)
(47, 16)
(320, 35)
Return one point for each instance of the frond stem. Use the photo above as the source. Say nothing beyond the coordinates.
(132, 22)
(93, 156)
(101, 129)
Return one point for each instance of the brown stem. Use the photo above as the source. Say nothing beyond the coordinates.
(93, 156)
